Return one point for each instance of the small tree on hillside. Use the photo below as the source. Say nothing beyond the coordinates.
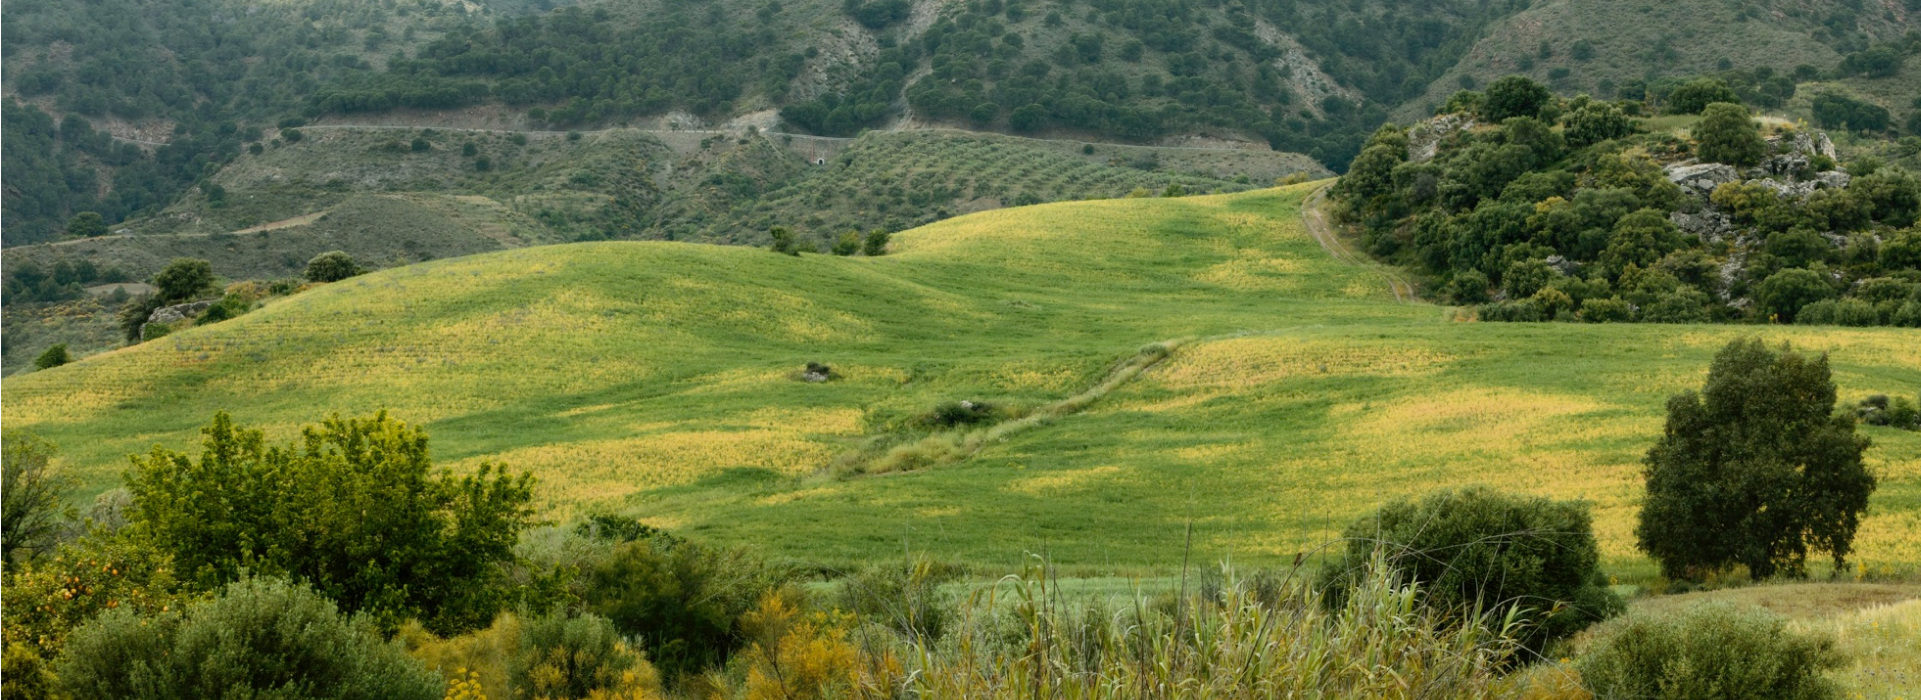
(32, 496)
(1727, 135)
(55, 356)
(87, 224)
(876, 243)
(1514, 96)
(182, 280)
(1755, 470)
(332, 266)
(784, 241)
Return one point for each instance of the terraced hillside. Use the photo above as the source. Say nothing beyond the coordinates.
(665, 380)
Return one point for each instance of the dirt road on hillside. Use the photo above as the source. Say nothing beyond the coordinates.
(1314, 214)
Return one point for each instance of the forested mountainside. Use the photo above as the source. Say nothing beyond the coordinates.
(120, 108)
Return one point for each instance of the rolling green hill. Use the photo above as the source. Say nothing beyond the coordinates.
(664, 380)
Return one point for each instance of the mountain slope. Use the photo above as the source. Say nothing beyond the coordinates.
(664, 380)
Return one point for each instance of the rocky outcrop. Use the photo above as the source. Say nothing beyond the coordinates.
(1424, 139)
(1700, 179)
(180, 312)
(1708, 225)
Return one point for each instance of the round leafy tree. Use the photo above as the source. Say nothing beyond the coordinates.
(1727, 135)
(1514, 96)
(1755, 470)
(331, 266)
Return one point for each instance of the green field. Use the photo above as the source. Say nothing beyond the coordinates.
(662, 379)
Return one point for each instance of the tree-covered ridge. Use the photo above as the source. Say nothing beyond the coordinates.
(1570, 209)
(202, 76)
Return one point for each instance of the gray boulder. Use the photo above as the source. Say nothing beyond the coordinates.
(1700, 179)
(1707, 225)
(180, 312)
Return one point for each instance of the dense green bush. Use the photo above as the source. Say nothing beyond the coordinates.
(1727, 134)
(182, 280)
(574, 656)
(681, 600)
(1756, 469)
(1714, 651)
(261, 638)
(332, 266)
(1838, 312)
(1484, 551)
(55, 356)
(355, 508)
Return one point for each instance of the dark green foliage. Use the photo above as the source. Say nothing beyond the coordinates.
(1781, 295)
(1479, 550)
(32, 497)
(1609, 310)
(1755, 470)
(55, 356)
(847, 244)
(953, 414)
(1892, 196)
(1838, 312)
(876, 243)
(134, 314)
(229, 306)
(1902, 251)
(681, 600)
(1877, 62)
(332, 266)
(1713, 651)
(1514, 96)
(184, 279)
(1694, 96)
(87, 224)
(611, 528)
(1596, 122)
(1833, 110)
(783, 241)
(260, 638)
(1468, 287)
(1727, 134)
(354, 508)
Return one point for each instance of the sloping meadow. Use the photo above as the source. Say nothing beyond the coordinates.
(667, 380)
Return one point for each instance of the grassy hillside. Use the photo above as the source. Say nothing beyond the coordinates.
(662, 379)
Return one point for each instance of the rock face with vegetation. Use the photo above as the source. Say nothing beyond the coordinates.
(1570, 210)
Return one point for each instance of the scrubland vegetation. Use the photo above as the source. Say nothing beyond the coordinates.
(1601, 220)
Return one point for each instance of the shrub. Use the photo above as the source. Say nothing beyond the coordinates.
(182, 280)
(784, 241)
(32, 495)
(1838, 312)
(55, 356)
(905, 596)
(1478, 550)
(953, 414)
(1609, 310)
(681, 600)
(565, 656)
(1756, 469)
(1902, 251)
(848, 244)
(1514, 96)
(1714, 651)
(1468, 287)
(1683, 305)
(87, 224)
(331, 266)
(876, 243)
(260, 638)
(1511, 312)
(1783, 294)
(1727, 134)
(1696, 95)
(355, 508)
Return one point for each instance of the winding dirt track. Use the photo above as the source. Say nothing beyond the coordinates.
(1314, 214)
